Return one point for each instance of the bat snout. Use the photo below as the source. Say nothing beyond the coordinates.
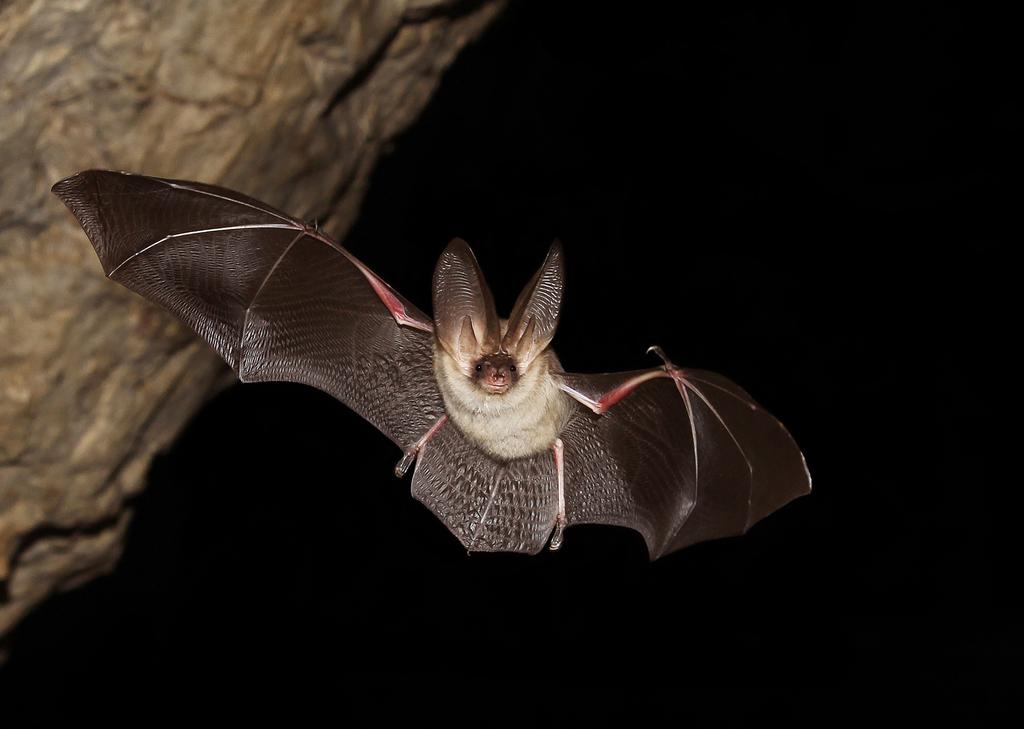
(496, 374)
(497, 377)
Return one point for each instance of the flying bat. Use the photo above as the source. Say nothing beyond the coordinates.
(509, 449)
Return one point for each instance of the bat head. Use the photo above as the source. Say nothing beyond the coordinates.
(467, 325)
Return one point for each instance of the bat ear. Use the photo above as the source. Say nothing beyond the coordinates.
(535, 315)
(465, 319)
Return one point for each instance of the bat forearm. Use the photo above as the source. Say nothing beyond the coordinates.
(609, 399)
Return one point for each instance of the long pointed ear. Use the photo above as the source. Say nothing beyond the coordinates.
(535, 316)
(465, 319)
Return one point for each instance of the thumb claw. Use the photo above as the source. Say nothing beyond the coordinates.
(660, 352)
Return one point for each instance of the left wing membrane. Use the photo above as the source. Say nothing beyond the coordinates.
(681, 456)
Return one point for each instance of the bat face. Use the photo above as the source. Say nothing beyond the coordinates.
(496, 373)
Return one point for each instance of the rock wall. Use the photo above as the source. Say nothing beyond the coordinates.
(291, 103)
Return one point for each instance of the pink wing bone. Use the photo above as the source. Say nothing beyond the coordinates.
(607, 400)
(395, 302)
(601, 402)
(404, 312)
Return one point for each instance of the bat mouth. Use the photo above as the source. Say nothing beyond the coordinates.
(495, 388)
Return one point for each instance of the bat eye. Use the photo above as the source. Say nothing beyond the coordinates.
(511, 368)
(479, 368)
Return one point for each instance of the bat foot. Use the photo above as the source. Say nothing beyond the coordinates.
(402, 467)
(557, 538)
(410, 453)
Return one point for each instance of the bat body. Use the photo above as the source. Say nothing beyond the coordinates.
(508, 448)
(522, 422)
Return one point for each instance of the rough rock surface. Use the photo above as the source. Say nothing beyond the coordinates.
(289, 102)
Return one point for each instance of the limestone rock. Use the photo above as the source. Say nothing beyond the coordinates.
(289, 102)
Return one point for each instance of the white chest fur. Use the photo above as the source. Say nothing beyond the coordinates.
(521, 422)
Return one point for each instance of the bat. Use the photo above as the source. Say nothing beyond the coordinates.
(509, 449)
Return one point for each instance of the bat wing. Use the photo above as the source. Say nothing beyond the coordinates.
(681, 456)
(488, 505)
(276, 298)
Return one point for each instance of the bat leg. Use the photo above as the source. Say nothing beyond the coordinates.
(412, 451)
(556, 538)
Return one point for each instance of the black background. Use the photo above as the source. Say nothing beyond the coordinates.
(811, 202)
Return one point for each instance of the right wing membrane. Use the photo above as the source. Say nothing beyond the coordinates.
(275, 298)
(680, 462)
